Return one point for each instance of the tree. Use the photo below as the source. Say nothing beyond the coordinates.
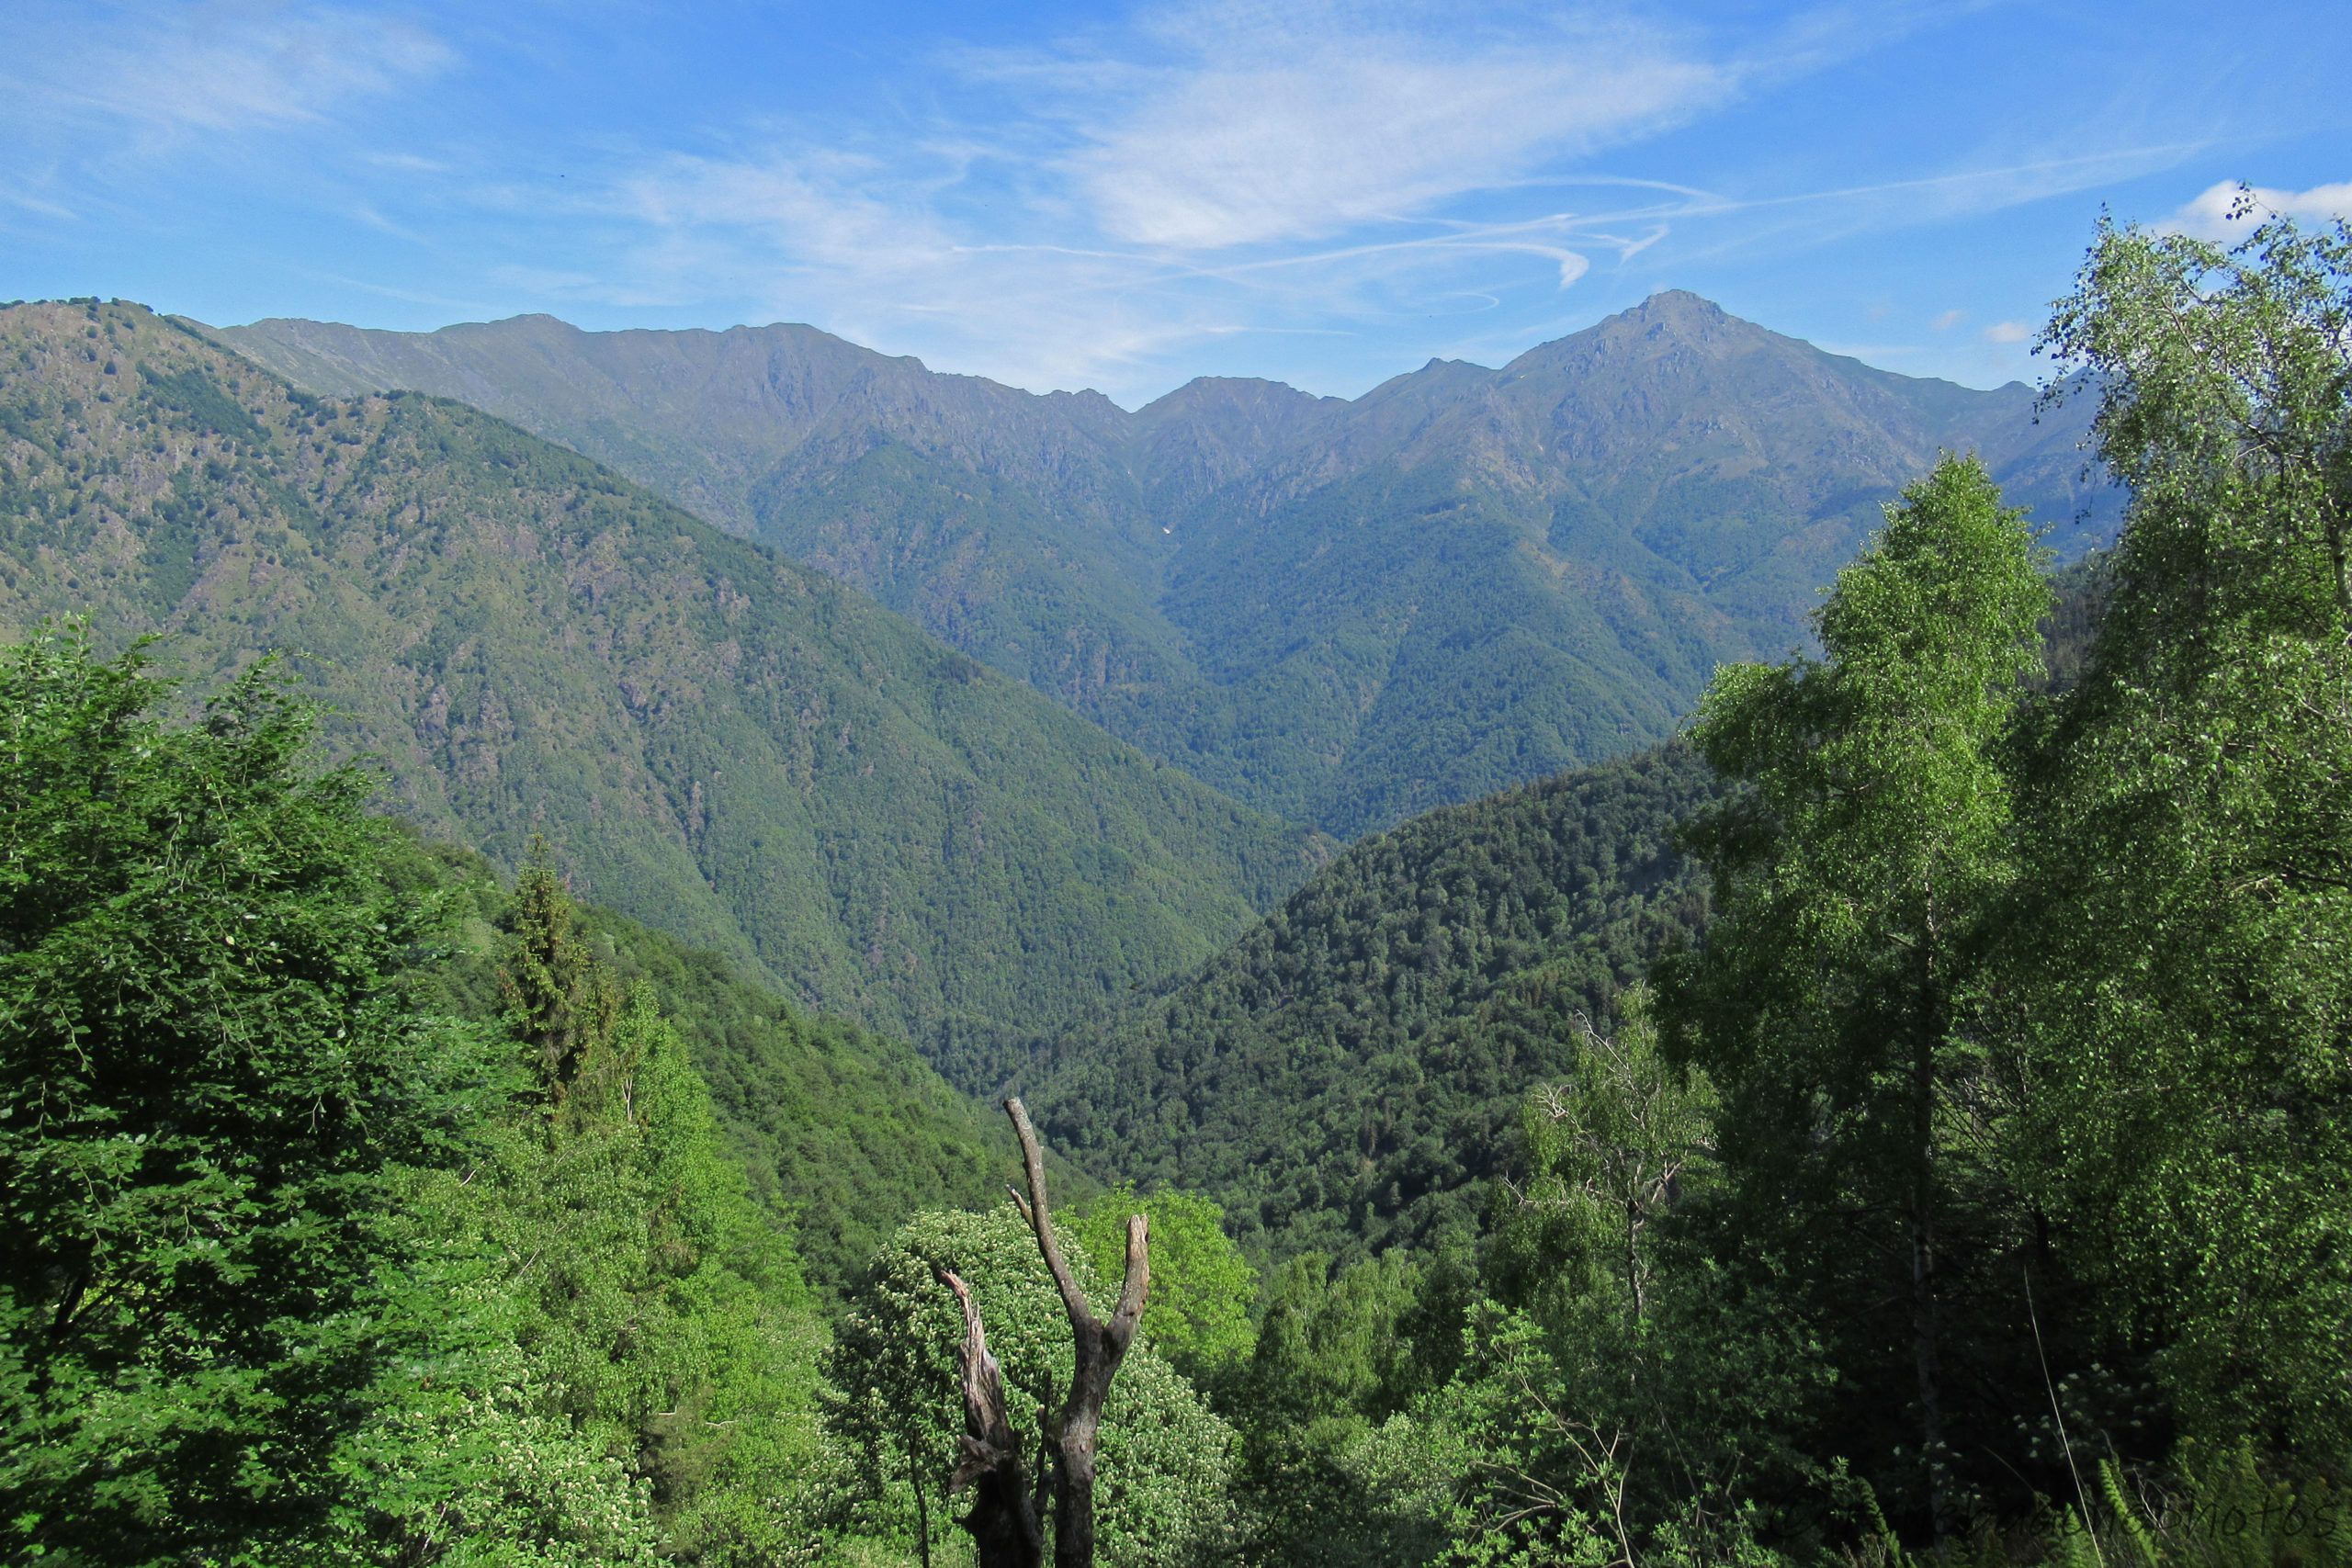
(2186, 1000)
(1832, 997)
(560, 1001)
(1605, 1156)
(1165, 1459)
(1202, 1288)
(658, 1309)
(208, 1086)
(1339, 1352)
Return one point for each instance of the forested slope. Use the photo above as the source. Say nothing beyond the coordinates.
(1349, 1073)
(757, 758)
(1350, 1070)
(843, 1130)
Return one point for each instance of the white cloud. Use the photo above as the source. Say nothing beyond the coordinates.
(1948, 319)
(2215, 213)
(862, 248)
(1299, 122)
(1164, 182)
(408, 163)
(222, 68)
(2009, 332)
(1076, 214)
(821, 207)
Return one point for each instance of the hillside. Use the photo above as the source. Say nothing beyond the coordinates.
(1341, 611)
(845, 1131)
(1348, 1074)
(745, 752)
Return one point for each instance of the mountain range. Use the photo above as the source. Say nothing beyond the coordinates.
(1345, 609)
(1341, 612)
(720, 743)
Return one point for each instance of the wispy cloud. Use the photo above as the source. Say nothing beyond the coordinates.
(1299, 122)
(13, 194)
(1211, 170)
(1948, 320)
(180, 68)
(1077, 208)
(2009, 332)
(2227, 210)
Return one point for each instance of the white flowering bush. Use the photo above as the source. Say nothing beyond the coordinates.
(1164, 1497)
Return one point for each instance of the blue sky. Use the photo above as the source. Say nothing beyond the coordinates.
(1127, 197)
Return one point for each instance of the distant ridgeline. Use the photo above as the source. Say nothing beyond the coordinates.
(1340, 611)
(732, 747)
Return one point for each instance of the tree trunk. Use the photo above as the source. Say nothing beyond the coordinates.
(1004, 1516)
(1926, 1360)
(1004, 1520)
(922, 1506)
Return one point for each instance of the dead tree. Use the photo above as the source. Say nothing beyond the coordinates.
(1009, 1505)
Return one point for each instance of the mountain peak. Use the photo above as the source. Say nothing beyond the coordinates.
(1674, 313)
(1679, 303)
(1669, 322)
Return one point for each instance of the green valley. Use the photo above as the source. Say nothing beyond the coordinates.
(1348, 1076)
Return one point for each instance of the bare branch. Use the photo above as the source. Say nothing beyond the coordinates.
(1032, 1161)
(1137, 1282)
(988, 1439)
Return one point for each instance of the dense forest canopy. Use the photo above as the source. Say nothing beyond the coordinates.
(1905, 1122)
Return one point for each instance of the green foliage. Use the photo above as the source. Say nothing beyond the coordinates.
(1603, 1157)
(1349, 1073)
(469, 1456)
(1166, 1461)
(210, 1085)
(561, 1002)
(763, 761)
(662, 1313)
(2207, 1510)
(845, 1132)
(1333, 1341)
(1202, 1288)
(1857, 877)
(312, 1272)
(2186, 1003)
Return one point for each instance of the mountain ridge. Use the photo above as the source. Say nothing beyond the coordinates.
(1671, 305)
(1290, 596)
(753, 755)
